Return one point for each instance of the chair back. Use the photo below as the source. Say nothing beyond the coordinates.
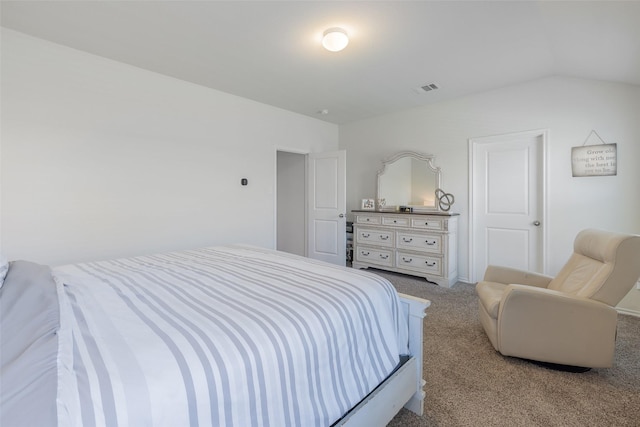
(604, 266)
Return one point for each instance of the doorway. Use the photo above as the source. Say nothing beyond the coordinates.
(507, 202)
(291, 202)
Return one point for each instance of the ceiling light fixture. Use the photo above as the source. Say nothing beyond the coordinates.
(335, 39)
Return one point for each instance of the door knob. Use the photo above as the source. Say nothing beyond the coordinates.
(536, 223)
(341, 216)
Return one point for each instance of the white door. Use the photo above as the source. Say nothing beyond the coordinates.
(507, 202)
(326, 198)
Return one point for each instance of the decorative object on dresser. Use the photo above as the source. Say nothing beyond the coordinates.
(445, 200)
(418, 244)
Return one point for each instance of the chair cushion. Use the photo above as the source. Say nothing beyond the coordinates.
(581, 274)
(490, 295)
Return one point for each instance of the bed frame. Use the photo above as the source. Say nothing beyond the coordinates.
(405, 386)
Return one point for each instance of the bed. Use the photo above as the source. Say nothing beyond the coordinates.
(218, 336)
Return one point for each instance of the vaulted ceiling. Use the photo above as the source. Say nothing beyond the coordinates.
(270, 51)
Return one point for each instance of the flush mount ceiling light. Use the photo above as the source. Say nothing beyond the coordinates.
(335, 39)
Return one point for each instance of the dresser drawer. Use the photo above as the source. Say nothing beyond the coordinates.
(419, 263)
(374, 256)
(367, 219)
(372, 236)
(395, 221)
(427, 224)
(419, 242)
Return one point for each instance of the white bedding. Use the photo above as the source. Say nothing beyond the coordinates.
(225, 336)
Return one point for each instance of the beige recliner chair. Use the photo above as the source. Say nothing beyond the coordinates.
(569, 319)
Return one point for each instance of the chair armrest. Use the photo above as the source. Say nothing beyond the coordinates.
(551, 326)
(508, 275)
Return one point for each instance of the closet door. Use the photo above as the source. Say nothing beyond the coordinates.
(507, 202)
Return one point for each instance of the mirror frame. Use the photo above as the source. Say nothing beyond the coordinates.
(428, 159)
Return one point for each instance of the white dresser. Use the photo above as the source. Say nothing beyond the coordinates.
(418, 244)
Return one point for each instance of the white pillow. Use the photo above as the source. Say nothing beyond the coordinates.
(4, 267)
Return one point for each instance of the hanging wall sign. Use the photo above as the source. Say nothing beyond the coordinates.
(594, 160)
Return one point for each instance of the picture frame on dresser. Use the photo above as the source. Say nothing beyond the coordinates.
(368, 204)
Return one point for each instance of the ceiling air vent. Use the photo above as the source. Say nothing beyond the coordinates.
(429, 87)
(426, 88)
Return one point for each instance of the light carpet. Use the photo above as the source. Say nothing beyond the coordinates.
(468, 383)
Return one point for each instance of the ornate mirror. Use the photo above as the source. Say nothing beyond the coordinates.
(409, 179)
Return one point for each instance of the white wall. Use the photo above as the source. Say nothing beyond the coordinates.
(568, 108)
(100, 159)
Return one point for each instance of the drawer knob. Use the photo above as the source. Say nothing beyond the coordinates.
(407, 260)
(366, 236)
(426, 223)
(365, 253)
(384, 237)
(404, 239)
(384, 256)
(433, 264)
(430, 243)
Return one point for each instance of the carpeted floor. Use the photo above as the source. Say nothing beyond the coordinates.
(470, 384)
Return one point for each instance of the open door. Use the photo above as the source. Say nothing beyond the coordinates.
(326, 200)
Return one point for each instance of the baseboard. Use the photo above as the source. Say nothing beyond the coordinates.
(628, 311)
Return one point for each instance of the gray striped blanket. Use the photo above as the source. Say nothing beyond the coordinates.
(221, 336)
